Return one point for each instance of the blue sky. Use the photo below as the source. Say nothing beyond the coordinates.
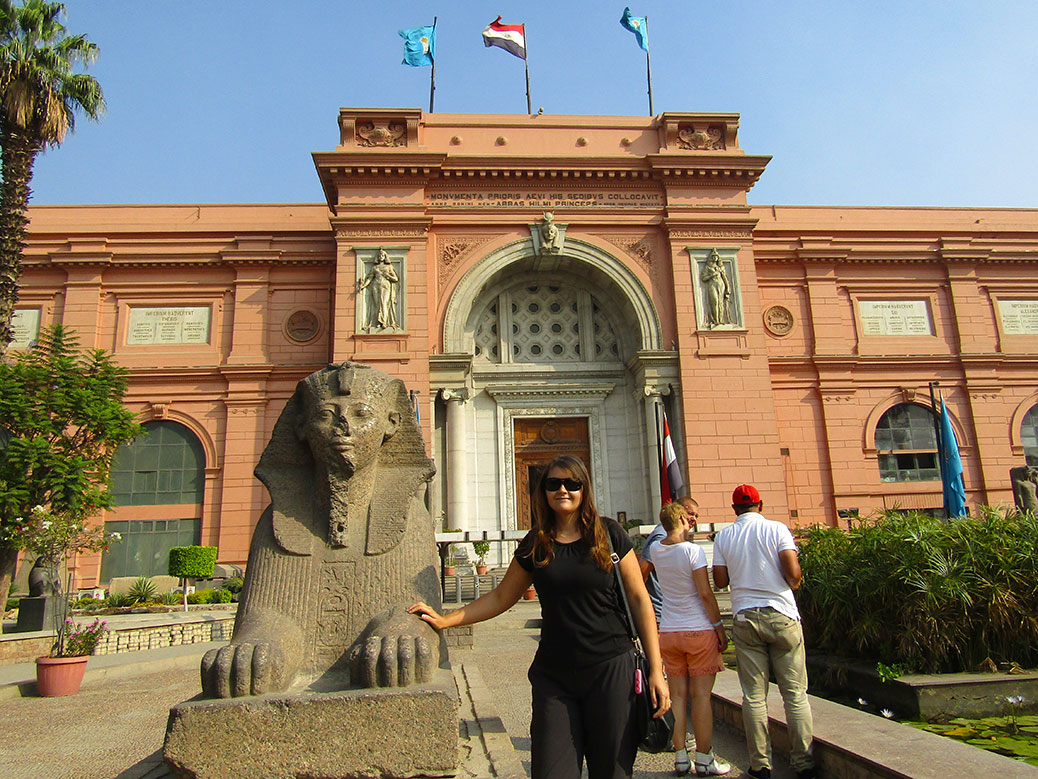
(919, 103)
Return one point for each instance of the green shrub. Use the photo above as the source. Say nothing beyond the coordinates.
(192, 562)
(143, 590)
(87, 602)
(169, 598)
(224, 596)
(234, 584)
(12, 603)
(924, 594)
(117, 601)
(482, 549)
(210, 596)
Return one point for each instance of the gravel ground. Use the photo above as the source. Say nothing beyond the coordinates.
(107, 730)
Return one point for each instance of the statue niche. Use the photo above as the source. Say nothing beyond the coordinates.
(345, 546)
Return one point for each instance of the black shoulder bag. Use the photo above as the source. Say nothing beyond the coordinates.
(654, 734)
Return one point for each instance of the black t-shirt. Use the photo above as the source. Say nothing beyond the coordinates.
(583, 622)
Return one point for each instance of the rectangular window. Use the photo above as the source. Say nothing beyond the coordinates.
(144, 548)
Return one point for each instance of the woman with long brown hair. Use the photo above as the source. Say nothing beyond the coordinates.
(583, 672)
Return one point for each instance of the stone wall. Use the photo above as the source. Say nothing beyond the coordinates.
(158, 636)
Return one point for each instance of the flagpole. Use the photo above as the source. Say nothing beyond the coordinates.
(526, 62)
(648, 66)
(432, 74)
(937, 428)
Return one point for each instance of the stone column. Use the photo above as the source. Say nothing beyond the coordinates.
(457, 459)
(652, 450)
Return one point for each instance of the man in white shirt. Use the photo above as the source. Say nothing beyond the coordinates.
(758, 557)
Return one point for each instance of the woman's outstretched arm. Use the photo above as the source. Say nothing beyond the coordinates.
(517, 580)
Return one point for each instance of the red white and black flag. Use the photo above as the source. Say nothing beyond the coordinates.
(510, 37)
(671, 482)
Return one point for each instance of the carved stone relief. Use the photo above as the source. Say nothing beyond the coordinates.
(380, 290)
(700, 138)
(375, 133)
(548, 236)
(715, 279)
(778, 320)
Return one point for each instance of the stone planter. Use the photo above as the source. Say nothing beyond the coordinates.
(58, 676)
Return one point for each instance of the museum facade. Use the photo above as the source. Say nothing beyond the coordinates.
(548, 284)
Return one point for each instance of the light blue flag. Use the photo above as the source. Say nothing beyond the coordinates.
(638, 26)
(419, 45)
(951, 468)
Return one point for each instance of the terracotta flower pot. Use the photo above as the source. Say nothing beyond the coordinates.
(530, 594)
(480, 570)
(57, 676)
(448, 570)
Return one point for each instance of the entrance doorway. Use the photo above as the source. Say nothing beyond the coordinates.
(538, 440)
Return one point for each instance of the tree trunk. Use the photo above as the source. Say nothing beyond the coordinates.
(17, 157)
(8, 558)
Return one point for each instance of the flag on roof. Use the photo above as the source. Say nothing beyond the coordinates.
(510, 37)
(638, 26)
(419, 45)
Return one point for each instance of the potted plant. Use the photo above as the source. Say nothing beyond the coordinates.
(62, 672)
(530, 593)
(482, 549)
(450, 563)
(53, 537)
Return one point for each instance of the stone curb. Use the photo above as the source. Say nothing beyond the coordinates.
(504, 760)
(852, 744)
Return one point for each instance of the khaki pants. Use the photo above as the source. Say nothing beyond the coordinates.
(766, 639)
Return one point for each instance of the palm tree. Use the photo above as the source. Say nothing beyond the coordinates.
(39, 97)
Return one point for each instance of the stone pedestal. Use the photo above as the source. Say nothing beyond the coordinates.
(37, 613)
(405, 732)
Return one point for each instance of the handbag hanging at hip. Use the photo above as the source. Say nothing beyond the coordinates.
(654, 733)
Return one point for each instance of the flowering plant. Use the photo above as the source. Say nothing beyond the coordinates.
(80, 639)
(53, 537)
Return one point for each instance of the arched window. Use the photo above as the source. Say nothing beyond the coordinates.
(1029, 435)
(907, 444)
(166, 466)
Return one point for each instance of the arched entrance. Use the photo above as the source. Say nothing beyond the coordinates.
(544, 355)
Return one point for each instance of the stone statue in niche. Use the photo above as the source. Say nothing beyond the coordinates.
(550, 235)
(717, 291)
(345, 546)
(384, 282)
(1025, 487)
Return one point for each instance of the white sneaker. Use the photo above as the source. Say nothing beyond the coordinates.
(682, 765)
(708, 765)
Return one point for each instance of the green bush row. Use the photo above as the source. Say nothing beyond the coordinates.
(930, 595)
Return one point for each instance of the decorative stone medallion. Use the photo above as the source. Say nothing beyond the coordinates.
(301, 326)
(778, 320)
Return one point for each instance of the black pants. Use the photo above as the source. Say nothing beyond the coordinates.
(584, 714)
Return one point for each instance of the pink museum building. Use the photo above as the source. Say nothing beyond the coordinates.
(545, 284)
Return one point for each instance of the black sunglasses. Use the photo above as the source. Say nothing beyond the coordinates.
(553, 483)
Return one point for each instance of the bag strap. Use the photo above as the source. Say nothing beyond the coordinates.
(629, 620)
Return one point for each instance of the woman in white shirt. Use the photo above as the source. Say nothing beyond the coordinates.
(692, 637)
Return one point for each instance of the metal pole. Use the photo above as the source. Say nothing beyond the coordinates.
(526, 62)
(432, 75)
(937, 430)
(648, 67)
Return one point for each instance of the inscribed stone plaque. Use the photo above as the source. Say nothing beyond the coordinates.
(1019, 317)
(161, 325)
(895, 317)
(25, 326)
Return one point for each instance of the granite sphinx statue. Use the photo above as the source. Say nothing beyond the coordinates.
(345, 546)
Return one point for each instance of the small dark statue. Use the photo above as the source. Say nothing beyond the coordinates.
(44, 579)
(345, 546)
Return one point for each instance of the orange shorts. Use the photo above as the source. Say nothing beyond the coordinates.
(691, 653)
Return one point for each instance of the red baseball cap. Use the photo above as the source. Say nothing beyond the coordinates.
(745, 494)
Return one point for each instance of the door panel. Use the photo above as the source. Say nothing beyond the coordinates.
(538, 440)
